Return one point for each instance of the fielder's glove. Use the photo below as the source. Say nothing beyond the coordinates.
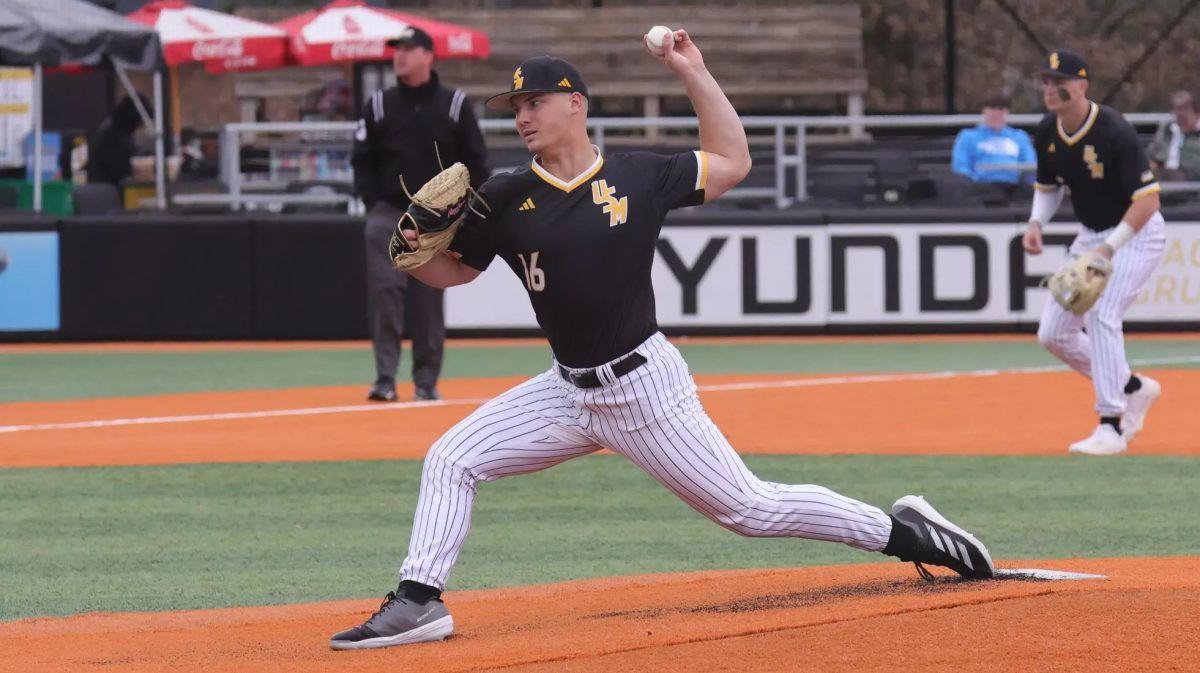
(436, 211)
(1078, 285)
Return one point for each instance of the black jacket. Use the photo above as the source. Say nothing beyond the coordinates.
(110, 152)
(397, 135)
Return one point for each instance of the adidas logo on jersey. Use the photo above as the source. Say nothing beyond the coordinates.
(527, 205)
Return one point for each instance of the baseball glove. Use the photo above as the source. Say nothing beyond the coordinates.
(1078, 285)
(436, 211)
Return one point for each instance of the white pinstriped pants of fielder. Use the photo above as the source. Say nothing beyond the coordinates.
(1100, 352)
(653, 417)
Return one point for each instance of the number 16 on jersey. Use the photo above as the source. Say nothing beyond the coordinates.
(535, 278)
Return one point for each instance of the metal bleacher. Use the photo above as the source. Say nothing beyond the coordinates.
(907, 162)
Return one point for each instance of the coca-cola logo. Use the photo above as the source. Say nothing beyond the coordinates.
(346, 51)
(210, 50)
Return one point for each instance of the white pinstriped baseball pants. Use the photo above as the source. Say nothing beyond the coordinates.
(653, 417)
(1099, 353)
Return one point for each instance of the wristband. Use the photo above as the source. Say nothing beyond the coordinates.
(1120, 236)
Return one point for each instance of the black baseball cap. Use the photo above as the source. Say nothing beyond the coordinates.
(412, 36)
(1066, 64)
(540, 74)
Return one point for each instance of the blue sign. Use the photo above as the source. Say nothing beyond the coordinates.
(51, 147)
(29, 281)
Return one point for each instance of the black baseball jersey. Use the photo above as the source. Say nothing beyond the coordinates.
(1102, 162)
(583, 249)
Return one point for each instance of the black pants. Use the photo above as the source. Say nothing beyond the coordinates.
(398, 304)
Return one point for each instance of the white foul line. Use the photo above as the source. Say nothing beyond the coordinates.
(236, 415)
(714, 388)
(869, 378)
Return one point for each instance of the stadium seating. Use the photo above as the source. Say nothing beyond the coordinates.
(807, 50)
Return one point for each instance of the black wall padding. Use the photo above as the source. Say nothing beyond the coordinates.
(19, 220)
(309, 278)
(156, 278)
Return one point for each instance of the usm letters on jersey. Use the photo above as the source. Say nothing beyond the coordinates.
(617, 209)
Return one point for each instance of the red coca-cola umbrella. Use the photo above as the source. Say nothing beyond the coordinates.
(350, 30)
(194, 35)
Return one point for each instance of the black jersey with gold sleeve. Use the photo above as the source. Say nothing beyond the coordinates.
(584, 248)
(1102, 162)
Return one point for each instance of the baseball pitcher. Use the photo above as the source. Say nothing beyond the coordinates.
(579, 230)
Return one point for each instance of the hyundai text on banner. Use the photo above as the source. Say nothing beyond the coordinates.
(852, 274)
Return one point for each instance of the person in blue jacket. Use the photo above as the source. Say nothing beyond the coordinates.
(993, 141)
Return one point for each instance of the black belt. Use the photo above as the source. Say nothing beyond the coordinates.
(590, 379)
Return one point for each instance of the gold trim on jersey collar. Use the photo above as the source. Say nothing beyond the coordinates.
(568, 186)
(1093, 113)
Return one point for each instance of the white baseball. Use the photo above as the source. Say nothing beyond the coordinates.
(657, 38)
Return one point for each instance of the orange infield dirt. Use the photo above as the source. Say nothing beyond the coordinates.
(1008, 414)
(846, 618)
(849, 618)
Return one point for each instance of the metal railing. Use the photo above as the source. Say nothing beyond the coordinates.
(787, 135)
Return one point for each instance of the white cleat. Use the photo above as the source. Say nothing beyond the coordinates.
(1105, 441)
(1138, 405)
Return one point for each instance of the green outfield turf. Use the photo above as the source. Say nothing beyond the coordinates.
(53, 376)
(157, 538)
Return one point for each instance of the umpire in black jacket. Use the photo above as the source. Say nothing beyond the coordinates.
(402, 132)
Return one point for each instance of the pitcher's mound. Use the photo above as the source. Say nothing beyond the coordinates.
(844, 618)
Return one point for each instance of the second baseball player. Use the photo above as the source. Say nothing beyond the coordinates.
(1092, 150)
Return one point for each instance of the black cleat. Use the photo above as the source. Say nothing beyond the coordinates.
(382, 392)
(426, 394)
(931, 538)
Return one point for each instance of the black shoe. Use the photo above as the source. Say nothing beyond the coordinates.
(382, 392)
(400, 620)
(426, 393)
(933, 539)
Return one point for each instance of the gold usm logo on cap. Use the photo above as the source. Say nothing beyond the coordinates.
(1083, 72)
(518, 79)
(1054, 60)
